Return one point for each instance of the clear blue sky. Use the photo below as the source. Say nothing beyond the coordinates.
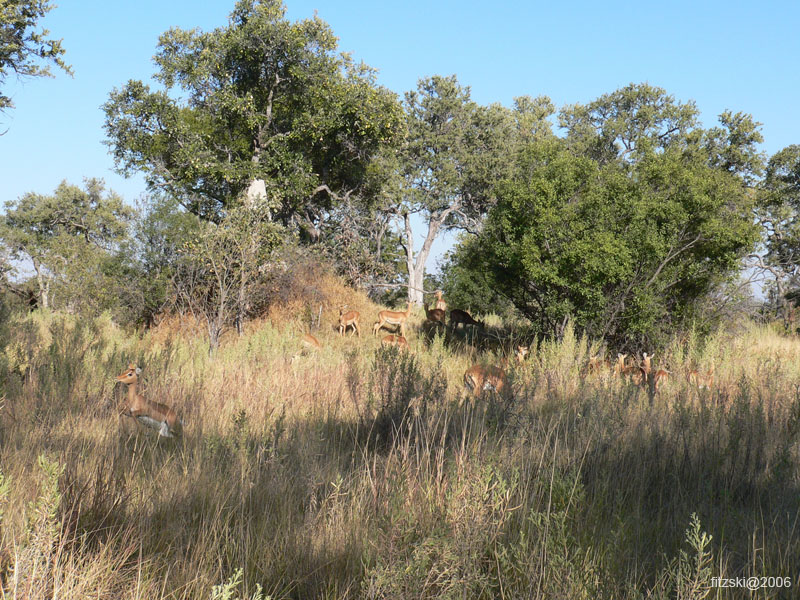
(723, 54)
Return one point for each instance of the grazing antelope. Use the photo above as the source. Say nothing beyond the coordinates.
(392, 317)
(397, 341)
(458, 316)
(479, 379)
(436, 316)
(307, 342)
(348, 319)
(440, 303)
(152, 414)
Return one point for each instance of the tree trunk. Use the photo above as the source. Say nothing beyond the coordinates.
(44, 286)
(416, 269)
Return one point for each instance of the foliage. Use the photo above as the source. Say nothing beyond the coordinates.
(160, 229)
(468, 288)
(262, 99)
(456, 151)
(25, 50)
(226, 591)
(71, 240)
(220, 268)
(778, 214)
(625, 225)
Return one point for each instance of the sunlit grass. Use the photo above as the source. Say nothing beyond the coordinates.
(357, 472)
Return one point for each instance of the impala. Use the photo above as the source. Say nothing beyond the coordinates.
(392, 317)
(397, 341)
(440, 303)
(630, 373)
(648, 374)
(436, 316)
(619, 367)
(479, 379)
(152, 414)
(597, 366)
(348, 319)
(458, 316)
(521, 354)
(701, 380)
(307, 342)
(659, 376)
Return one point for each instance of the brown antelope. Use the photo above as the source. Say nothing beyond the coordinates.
(619, 366)
(440, 303)
(648, 374)
(701, 380)
(646, 367)
(392, 317)
(479, 379)
(598, 367)
(348, 319)
(307, 342)
(630, 373)
(458, 316)
(397, 341)
(521, 354)
(152, 414)
(660, 376)
(436, 316)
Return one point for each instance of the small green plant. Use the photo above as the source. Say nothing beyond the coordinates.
(688, 576)
(227, 590)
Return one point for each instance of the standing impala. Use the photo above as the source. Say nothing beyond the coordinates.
(436, 316)
(348, 319)
(440, 303)
(152, 414)
(392, 317)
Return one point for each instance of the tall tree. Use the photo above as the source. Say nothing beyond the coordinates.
(68, 238)
(624, 224)
(26, 50)
(456, 152)
(263, 108)
(779, 215)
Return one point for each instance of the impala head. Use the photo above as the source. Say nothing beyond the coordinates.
(130, 375)
(522, 353)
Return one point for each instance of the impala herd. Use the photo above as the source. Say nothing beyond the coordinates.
(477, 379)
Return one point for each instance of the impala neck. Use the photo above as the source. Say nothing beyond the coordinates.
(132, 391)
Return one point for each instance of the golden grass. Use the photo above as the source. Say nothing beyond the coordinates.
(353, 472)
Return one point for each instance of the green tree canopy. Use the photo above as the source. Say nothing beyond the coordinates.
(262, 104)
(26, 50)
(456, 152)
(779, 216)
(624, 225)
(69, 239)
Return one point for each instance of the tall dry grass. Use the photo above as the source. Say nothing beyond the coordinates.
(357, 472)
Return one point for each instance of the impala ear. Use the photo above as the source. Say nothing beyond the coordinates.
(138, 370)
